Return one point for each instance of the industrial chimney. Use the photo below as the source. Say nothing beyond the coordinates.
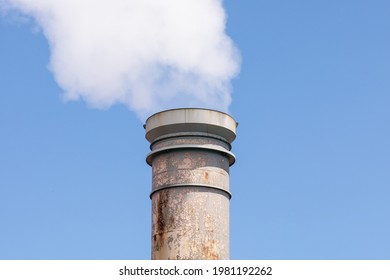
(190, 158)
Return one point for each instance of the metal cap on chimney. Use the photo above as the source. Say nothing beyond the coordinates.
(190, 158)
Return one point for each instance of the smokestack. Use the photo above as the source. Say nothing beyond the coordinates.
(190, 158)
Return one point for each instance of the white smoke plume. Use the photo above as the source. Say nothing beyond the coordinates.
(147, 54)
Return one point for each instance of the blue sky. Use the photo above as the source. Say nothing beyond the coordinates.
(312, 177)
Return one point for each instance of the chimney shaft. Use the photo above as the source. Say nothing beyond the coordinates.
(190, 158)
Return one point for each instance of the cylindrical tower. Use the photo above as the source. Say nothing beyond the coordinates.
(190, 158)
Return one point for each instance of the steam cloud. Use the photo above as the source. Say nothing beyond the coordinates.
(147, 54)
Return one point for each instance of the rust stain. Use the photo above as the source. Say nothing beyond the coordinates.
(158, 241)
(206, 176)
(208, 250)
(162, 204)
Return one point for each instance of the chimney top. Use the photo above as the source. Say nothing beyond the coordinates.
(190, 120)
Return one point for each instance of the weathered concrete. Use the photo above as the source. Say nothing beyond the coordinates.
(190, 158)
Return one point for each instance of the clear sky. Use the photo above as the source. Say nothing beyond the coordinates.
(312, 177)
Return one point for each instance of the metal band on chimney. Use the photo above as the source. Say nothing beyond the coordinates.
(163, 187)
(214, 148)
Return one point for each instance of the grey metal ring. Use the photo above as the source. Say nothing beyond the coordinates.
(230, 155)
(163, 187)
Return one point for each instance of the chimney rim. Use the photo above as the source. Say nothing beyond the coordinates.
(190, 120)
